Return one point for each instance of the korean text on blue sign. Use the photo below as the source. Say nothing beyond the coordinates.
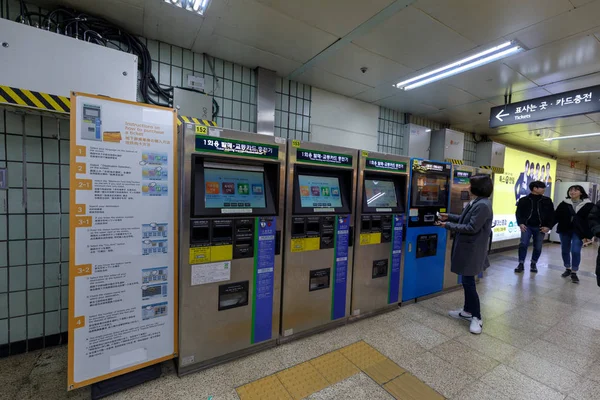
(219, 145)
(383, 164)
(323, 157)
(575, 102)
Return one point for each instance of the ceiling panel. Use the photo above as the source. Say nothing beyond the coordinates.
(348, 61)
(226, 49)
(127, 14)
(490, 81)
(264, 28)
(594, 117)
(522, 95)
(553, 124)
(478, 111)
(414, 39)
(377, 93)
(485, 21)
(575, 83)
(337, 17)
(333, 83)
(158, 24)
(567, 130)
(559, 27)
(440, 95)
(558, 61)
(578, 3)
(480, 128)
(403, 104)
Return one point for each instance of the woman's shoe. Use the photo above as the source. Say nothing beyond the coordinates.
(567, 273)
(476, 326)
(574, 278)
(461, 314)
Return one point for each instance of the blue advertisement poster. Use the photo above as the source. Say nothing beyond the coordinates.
(264, 265)
(340, 266)
(398, 233)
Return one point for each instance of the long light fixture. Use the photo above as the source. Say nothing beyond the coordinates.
(588, 151)
(485, 57)
(585, 135)
(195, 6)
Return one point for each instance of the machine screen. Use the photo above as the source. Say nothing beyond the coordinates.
(429, 190)
(380, 193)
(90, 112)
(227, 188)
(319, 191)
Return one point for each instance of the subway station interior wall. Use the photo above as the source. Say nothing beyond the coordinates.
(565, 173)
(342, 121)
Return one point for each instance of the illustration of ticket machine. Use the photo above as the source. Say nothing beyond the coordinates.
(318, 237)
(425, 250)
(232, 189)
(460, 196)
(382, 188)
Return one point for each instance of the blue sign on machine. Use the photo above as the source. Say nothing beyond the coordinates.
(398, 233)
(264, 267)
(340, 266)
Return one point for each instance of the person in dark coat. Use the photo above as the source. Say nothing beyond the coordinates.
(535, 217)
(594, 220)
(574, 229)
(470, 250)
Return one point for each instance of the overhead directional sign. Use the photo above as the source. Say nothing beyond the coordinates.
(575, 102)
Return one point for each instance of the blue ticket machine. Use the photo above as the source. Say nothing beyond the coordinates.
(425, 251)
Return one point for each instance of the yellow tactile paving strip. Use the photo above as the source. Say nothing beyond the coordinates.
(315, 375)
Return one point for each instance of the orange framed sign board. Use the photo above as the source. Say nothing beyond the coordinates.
(123, 237)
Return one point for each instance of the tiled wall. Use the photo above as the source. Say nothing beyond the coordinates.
(389, 131)
(33, 232)
(292, 109)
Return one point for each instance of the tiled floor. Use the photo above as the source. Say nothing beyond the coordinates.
(541, 340)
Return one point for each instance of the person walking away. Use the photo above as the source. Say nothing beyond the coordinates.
(535, 217)
(470, 249)
(574, 229)
(594, 220)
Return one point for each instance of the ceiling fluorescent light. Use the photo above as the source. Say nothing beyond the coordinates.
(195, 6)
(585, 135)
(588, 151)
(474, 61)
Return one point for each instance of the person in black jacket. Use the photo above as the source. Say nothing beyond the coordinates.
(535, 217)
(573, 228)
(594, 220)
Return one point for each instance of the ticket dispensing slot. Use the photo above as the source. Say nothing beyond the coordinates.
(222, 232)
(319, 279)
(244, 239)
(386, 228)
(233, 295)
(365, 224)
(327, 232)
(380, 268)
(200, 234)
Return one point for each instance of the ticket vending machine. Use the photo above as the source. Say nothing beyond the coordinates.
(460, 196)
(425, 251)
(230, 256)
(318, 237)
(382, 189)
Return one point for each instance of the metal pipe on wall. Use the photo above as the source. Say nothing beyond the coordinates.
(265, 105)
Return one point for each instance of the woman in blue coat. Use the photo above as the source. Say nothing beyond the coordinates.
(471, 243)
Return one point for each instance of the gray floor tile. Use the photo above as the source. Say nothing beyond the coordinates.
(298, 351)
(420, 334)
(479, 391)
(518, 386)
(396, 347)
(508, 335)
(464, 358)
(574, 340)
(359, 386)
(587, 318)
(593, 372)
(526, 321)
(560, 356)
(442, 376)
(543, 371)
(443, 324)
(488, 345)
(587, 390)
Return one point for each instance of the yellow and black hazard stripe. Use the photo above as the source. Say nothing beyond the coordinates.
(497, 170)
(455, 161)
(181, 119)
(31, 99)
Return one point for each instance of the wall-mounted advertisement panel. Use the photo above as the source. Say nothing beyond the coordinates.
(123, 242)
(520, 169)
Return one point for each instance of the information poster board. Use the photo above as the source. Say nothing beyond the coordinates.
(123, 238)
(520, 169)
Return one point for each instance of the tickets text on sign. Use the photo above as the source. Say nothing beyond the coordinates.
(238, 147)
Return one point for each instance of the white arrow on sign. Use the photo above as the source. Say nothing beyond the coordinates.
(500, 115)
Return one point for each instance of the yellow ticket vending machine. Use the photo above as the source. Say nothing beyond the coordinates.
(232, 188)
(320, 205)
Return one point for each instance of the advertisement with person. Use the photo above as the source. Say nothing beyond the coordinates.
(520, 169)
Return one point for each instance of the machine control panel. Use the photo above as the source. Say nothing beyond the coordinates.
(376, 227)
